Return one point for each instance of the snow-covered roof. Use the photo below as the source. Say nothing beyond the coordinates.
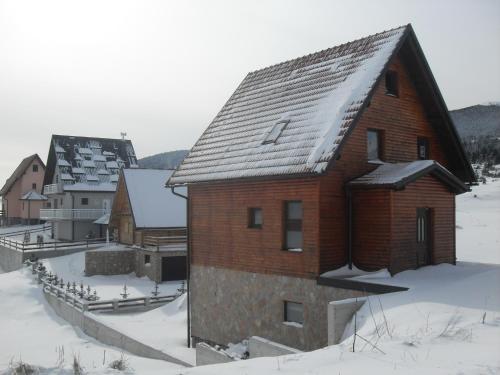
(108, 153)
(153, 205)
(102, 171)
(88, 164)
(90, 177)
(114, 178)
(59, 149)
(85, 151)
(32, 195)
(112, 165)
(66, 177)
(76, 170)
(397, 175)
(99, 158)
(103, 220)
(63, 163)
(291, 117)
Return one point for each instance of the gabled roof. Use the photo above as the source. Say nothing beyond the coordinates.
(397, 175)
(19, 171)
(32, 195)
(292, 118)
(70, 155)
(152, 204)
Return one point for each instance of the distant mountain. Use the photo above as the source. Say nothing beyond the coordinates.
(165, 160)
(479, 128)
(478, 120)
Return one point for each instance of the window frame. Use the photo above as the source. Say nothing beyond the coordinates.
(147, 258)
(380, 145)
(294, 223)
(33, 186)
(286, 318)
(423, 141)
(34, 168)
(251, 223)
(82, 200)
(392, 83)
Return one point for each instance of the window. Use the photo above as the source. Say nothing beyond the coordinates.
(48, 205)
(422, 225)
(147, 259)
(33, 186)
(275, 132)
(423, 148)
(373, 144)
(255, 217)
(35, 167)
(294, 312)
(293, 225)
(85, 201)
(391, 83)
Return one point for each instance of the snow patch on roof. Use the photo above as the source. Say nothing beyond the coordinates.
(154, 205)
(32, 195)
(391, 173)
(321, 94)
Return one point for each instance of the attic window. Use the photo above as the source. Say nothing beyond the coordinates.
(391, 83)
(275, 132)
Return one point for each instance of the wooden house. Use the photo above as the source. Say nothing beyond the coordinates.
(343, 157)
(151, 217)
(21, 194)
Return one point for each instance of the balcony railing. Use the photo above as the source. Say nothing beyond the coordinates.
(71, 214)
(52, 189)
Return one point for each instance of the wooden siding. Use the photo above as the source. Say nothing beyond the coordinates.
(218, 223)
(220, 235)
(426, 192)
(402, 120)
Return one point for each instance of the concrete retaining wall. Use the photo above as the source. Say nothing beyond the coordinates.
(206, 355)
(105, 334)
(340, 314)
(261, 347)
(11, 260)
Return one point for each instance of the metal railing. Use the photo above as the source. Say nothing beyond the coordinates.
(52, 189)
(71, 214)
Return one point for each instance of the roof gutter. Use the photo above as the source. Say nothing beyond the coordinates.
(188, 263)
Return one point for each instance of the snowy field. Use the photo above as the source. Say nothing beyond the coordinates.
(447, 323)
(71, 268)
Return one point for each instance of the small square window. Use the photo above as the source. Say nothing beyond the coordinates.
(85, 201)
(35, 167)
(147, 259)
(255, 218)
(294, 312)
(423, 148)
(373, 145)
(391, 83)
(33, 186)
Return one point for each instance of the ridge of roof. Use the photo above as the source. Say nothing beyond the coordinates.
(326, 50)
(18, 172)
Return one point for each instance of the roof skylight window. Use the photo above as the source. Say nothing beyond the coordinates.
(275, 132)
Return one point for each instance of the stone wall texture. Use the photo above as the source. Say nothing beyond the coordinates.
(102, 262)
(229, 306)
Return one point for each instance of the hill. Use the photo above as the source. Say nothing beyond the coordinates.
(478, 120)
(165, 160)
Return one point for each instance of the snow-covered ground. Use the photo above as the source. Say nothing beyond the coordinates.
(71, 268)
(447, 323)
(30, 330)
(478, 223)
(22, 228)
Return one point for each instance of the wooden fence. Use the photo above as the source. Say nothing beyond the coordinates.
(51, 245)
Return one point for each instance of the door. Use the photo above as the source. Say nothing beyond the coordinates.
(106, 205)
(125, 234)
(173, 268)
(424, 232)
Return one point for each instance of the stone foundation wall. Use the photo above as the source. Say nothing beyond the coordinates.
(103, 262)
(153, 269)
(229, 306)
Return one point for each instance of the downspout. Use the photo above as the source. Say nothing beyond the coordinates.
(188, 265)
(349, 226)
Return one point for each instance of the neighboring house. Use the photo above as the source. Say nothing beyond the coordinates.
(21, 194)
(343, 156)
(80, 182)
(148, 215)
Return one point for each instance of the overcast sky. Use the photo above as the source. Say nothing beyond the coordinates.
(161, 70)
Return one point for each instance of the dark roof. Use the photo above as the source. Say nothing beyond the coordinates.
(74, 150)
(19, 171)
(397, 175)
(292, 118)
